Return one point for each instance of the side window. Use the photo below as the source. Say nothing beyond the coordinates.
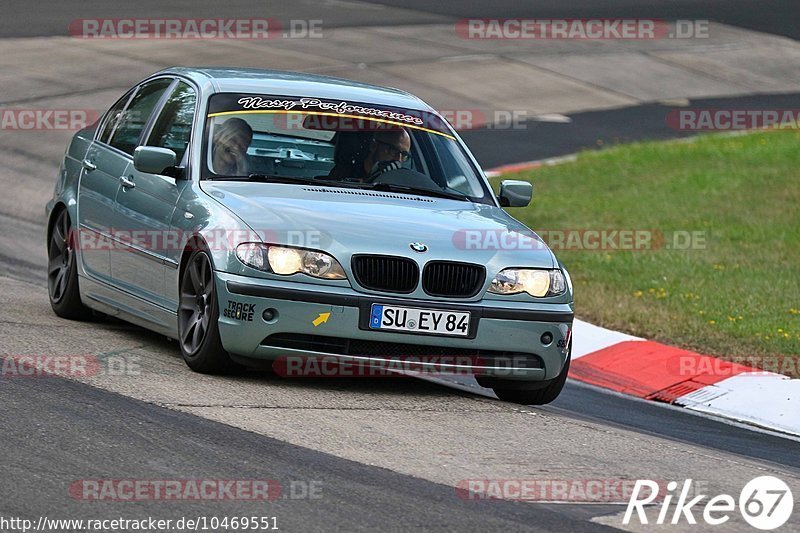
(126, 135)
(174, 126)
(112, 117)
(453, 162)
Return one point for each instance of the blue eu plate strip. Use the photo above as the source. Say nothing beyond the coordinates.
(376, 316)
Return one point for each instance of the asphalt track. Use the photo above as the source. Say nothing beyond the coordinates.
(386, 453)
(596, 130)
(70, 431)
(771, 16)
(51, 17)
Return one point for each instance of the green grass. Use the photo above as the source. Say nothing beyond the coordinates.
(737, 297)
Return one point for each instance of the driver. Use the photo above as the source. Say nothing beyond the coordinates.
(229, 148)
(388, 150)
(387, 147)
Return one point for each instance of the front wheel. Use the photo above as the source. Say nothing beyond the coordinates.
(62, 271)
(198, 312)
(541, 395)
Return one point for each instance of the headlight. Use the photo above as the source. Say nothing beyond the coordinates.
(285, 261)
(538, 283)
(568, 279)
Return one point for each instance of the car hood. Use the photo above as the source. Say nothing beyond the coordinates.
(351, 221)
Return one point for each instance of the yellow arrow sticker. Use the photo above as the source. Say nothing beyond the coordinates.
(321, 319)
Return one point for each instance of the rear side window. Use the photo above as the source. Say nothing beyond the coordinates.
(126, 134)
(174, 125)
(112, 118)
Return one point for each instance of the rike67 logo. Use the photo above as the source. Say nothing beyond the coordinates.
(765, 503)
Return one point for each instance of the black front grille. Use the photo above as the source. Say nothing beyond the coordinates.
(452, 280)
(392, 350)
(386, 273)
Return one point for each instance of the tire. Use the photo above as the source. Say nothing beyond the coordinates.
(198, 313)
(539, 396)
(62, 271)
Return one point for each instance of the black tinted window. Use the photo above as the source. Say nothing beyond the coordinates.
(126, 135)
(174, 124)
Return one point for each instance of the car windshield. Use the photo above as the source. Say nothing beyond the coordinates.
(337, 143)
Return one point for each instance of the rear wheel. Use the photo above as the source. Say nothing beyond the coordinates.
(198, 312)
(62, 271)
(538, 396)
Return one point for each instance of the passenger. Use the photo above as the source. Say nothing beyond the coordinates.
(229, 148)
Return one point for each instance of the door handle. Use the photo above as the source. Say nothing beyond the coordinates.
(127, 183)
(88, 165)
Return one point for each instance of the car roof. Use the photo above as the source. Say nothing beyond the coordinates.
(286, 83)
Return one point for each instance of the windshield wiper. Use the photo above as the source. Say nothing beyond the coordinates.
(421, 191)
(388, 187)
(266, 178)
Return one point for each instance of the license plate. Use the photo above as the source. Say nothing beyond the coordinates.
(429, 321)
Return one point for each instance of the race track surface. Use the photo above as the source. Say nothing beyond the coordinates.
(387, 453)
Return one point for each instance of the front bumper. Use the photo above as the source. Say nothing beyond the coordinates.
(500, 327)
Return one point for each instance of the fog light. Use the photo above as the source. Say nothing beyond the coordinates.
(269, 315)
(547, 338)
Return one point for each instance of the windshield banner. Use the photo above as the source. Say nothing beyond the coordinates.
(328, 115)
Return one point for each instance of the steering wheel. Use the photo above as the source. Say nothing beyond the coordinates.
(383, 167)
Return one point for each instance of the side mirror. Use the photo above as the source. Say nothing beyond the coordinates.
(514, 193)
(153, 160)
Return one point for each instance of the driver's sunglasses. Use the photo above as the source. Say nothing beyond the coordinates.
(402, 155)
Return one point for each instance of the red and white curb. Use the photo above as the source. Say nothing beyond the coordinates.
(701, 383)
(528, 165)
(654, 371)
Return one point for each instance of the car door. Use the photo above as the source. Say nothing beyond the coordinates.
(146, 202)
(97, 193)
(113, 151)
